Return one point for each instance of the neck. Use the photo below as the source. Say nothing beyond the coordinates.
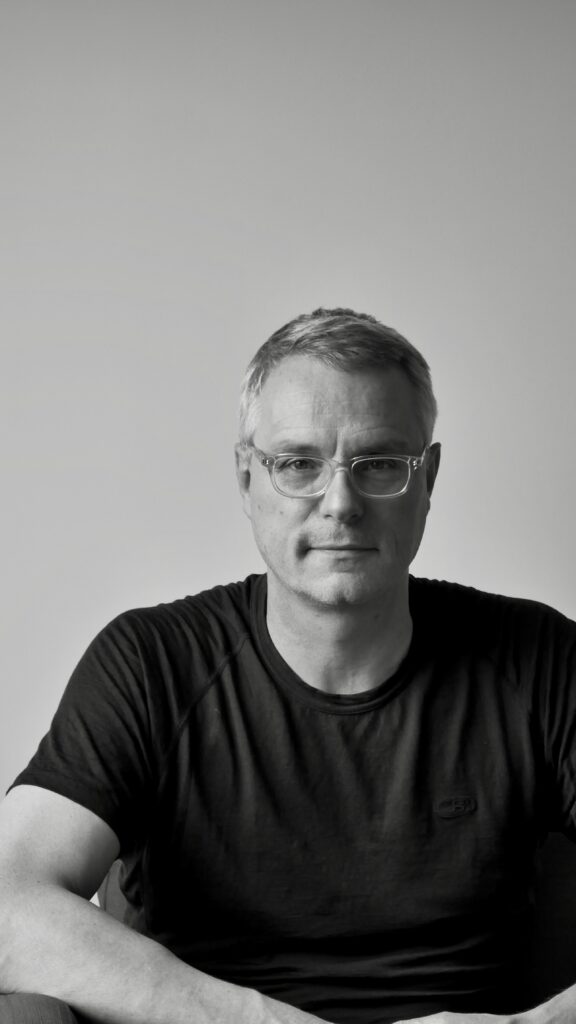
(340, 650)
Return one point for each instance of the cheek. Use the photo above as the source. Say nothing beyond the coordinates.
(266, 512)
(403, 520)
(269, 519)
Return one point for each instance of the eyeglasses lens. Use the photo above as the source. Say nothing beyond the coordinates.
(381, 477)
(300, 477)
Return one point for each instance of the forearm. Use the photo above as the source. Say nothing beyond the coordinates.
(58, 944)
(561, 1009)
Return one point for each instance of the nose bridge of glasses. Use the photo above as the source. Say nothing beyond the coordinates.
(341, 467)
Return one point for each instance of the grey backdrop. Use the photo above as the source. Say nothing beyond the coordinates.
(180, 178)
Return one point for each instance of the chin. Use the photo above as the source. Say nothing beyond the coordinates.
(338, 590)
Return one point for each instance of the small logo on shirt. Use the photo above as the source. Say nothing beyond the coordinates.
(455, 806)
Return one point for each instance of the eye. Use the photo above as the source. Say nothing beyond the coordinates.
(378, 465)
(296, 465)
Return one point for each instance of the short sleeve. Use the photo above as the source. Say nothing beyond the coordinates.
(99, 750)
(555, 689)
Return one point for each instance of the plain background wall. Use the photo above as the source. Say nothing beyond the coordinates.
(177, 180)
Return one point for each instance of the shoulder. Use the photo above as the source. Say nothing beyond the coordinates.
(215, 620)
(483, 620)
(471, 600)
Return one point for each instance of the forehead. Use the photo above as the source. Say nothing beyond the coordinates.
(305, 400)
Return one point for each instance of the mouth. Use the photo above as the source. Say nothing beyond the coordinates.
(341, 547)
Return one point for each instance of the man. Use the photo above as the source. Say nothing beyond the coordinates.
(327, 783)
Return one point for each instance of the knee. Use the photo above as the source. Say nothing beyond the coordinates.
(26, 1008)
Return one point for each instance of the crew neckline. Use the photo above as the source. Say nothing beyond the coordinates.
(332, 703)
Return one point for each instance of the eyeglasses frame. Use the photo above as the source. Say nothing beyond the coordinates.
(414, 462)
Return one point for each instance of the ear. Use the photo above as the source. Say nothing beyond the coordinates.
(242, 456)
(432, 467)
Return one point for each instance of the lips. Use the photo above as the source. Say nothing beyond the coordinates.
(341, 547)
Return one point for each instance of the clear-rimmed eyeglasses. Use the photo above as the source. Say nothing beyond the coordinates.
(309, 476)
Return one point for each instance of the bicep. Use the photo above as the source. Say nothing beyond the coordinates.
(47, 838)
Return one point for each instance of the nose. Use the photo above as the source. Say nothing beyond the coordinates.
(341, 500)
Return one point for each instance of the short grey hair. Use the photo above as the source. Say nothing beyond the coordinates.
(344, 340)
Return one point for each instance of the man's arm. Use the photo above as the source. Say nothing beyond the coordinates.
(561, 1009)
(53, 856)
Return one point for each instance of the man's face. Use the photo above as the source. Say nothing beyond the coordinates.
(341, 548)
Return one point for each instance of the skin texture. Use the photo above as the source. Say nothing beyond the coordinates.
(338, 564)
(306, 403)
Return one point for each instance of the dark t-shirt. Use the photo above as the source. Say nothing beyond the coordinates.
(364, 857)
